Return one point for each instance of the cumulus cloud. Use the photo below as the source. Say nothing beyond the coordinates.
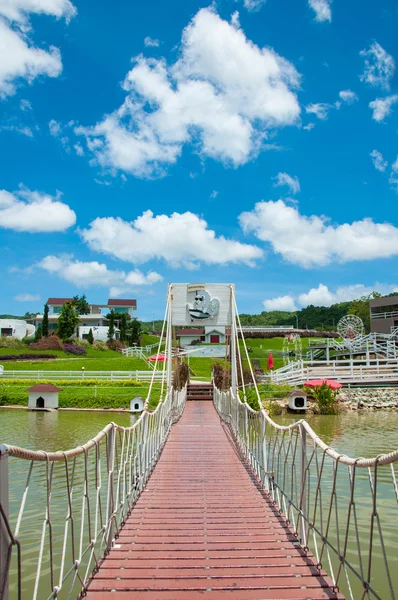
(312, 242)
(85, 274)
(150, 42)
(348, 96)
(34, 212)
(382, 107)
(179, 239)
(22, 129)
(378, 161)
(323, 296)
(393, 179)
(291, 182)
(19, 58)
(25, 105)
(285, 303)
(322, 9)
(320, 110)
(253, 5)
(27, 297)
(379, 66)
(222, 94)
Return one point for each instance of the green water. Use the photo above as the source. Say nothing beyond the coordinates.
(354, 434)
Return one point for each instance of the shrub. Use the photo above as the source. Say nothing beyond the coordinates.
(28, 340)
(181, 374)
(222, 376)
(115, 345)
(75, 349)
(10, 342)
(100, 345)
(325, 399)
(90, 337)
(79, 342)
(25, 356)
(48, 343)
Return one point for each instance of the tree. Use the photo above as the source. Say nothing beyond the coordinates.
(45, 321)
(81, 304)
(123, 324)
(361, 308)
(133, 331)
(90, 337)
(67, 321)
(38, 333)
(111, 328)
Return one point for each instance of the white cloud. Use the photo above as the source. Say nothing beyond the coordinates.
(22, 129)
(320, 110)
(322, 296)
(25, 105)
(379, 66)
(54, 127)
(312, 242)
(291, 182)
(322, 9)
(214, 194)
(85, 274)
(34, 212)
(348, 96)
(378, 161)
(27, 297)
(19, 59)
(79, 149)
(309, 126)
(393, 180)
(382, 107)
(102, 182)
(150, 42)
(285, 303)
(179, 239)
(222, 94)
(254, 5)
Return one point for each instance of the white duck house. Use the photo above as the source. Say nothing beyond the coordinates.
(137, 405)
(298, 400)
(43, 395)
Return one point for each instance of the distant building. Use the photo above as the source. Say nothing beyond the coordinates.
(16, 328)
(383, 314)
(96, 319)
(206, 335)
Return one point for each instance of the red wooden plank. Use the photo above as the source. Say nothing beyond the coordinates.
(203, 530)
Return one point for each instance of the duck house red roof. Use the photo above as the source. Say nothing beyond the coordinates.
(44, 387)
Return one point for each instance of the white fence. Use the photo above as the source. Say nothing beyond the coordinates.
(81, 375)
(353, 371)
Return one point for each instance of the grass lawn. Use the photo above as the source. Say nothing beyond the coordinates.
(105, 395)
(262, 347)
(148, 340)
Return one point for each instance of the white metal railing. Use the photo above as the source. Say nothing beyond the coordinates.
(343, 371)
(304, 478)
(384, 315)
(139, 350)
(80, 500)
(81, 375)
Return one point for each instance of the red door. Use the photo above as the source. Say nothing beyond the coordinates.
(214, 339)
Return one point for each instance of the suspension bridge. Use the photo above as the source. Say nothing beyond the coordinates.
(202, 498)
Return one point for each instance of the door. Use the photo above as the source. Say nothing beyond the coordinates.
(214, 339)
(40, 402)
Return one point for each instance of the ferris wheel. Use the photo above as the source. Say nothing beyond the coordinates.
(350, 327)
(292, 348)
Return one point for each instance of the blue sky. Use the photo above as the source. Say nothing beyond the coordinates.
(241, 141)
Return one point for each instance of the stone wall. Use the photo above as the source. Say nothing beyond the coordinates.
(369, 398)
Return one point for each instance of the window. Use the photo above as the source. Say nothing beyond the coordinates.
(121, 309)
(56, 310)
(85, 336)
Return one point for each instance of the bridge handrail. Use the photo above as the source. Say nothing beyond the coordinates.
(110, 472)
(302, 473)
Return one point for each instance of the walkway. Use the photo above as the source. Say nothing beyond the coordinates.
(203, 530)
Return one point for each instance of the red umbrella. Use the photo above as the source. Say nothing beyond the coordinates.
(160, 358)
(270, 364)
(335, 385)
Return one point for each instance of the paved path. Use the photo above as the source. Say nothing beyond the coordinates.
(203, 530)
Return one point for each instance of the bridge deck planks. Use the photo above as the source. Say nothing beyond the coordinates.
(203, 530)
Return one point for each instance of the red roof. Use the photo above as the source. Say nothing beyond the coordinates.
(199, 331)
(122, 302)
(44, 387)
(57, 301)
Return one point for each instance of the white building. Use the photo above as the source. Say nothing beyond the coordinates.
(16, 328)
(96, 319)
(43, 395)
(206, 335)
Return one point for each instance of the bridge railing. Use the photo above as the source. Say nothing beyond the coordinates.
(61, 512)
(344, 510)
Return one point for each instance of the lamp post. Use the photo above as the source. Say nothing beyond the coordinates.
(296, 321)
(82, 372)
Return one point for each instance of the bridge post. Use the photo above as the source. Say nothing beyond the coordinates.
(111, 480)
(303, 490)
(4, 539)
(264, 457)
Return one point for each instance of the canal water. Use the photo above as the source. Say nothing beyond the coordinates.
(356, 434)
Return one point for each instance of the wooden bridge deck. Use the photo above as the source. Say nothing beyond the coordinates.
(203, 530)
